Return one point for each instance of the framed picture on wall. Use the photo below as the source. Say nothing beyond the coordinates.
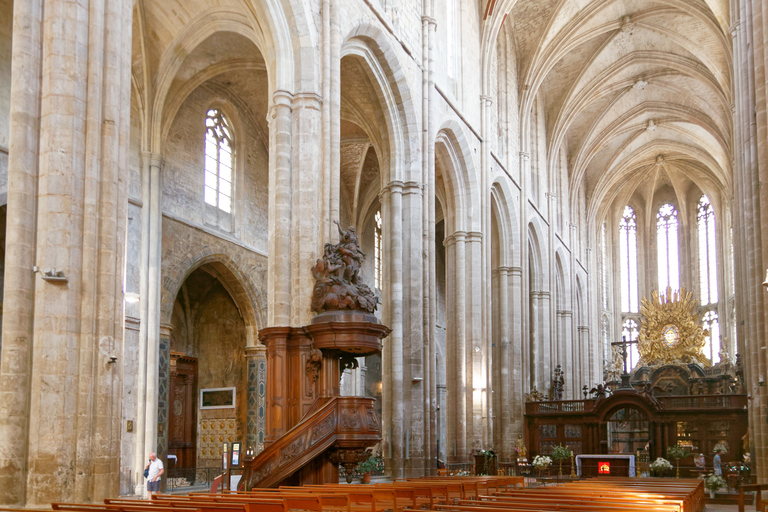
(217, 398)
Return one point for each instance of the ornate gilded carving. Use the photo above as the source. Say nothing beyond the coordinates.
(670, 331)
(337, 283)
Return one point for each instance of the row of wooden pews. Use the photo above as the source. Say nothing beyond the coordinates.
(438, 494)
(594, 495)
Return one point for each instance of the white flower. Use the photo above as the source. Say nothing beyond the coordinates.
(661, 464)
(541, 461)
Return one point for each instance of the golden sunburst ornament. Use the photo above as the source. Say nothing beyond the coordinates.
(670, 331)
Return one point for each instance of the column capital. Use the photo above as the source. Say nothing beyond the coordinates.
(393, 187)
(457, 236)
(412, 187)
(583, 328)
(525, 155)
(166, 330)
(308, 100)
(153, 159)
(429, 20)
(256, 351)
(474, 236)
(516, 271)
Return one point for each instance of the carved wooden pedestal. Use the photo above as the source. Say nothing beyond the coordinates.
(311, 430)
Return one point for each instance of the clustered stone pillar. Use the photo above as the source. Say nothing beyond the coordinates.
(60, 419)
(749, 30)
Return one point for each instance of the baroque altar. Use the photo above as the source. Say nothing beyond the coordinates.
(674, 396)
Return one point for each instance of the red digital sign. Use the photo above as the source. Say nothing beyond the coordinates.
(604, 468)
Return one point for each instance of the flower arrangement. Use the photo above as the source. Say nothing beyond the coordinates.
(677, 452)
(713, 482)
(487, 456)
(541, 462)
(559, 453)
(660, 465)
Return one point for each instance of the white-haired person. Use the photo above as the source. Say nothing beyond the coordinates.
(156, 470)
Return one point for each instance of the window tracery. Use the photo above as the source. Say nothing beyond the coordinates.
(667, 247)
(628, 258)
(219, 161)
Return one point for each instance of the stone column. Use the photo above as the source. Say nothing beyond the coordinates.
(476, 356)
(70, 154)
(459, 413)
(151, 399)
(585, 364)
(504, 433)
(19, 289)
(518, 373)
(392, 370)
(280, 140)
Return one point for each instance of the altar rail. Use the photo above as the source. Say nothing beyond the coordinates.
(668, 403)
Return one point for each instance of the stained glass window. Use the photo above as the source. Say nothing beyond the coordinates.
(628, 259)
(707, 251)
(667, 248)
(219, 161)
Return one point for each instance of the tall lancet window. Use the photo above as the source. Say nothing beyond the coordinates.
(377, 252)
(218, 161)
(629, 332)
(628, 259)
(705, 219)
(667, 247)
(711, 323)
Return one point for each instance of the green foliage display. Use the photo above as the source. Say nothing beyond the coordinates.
(560, 452)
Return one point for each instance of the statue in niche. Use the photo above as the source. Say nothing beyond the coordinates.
(337, 277)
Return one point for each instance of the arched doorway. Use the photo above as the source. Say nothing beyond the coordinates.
(209, 382)
(627, 430)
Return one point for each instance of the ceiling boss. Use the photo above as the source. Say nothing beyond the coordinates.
(670, 331)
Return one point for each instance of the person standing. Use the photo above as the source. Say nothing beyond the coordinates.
(156, 470)
(716, 464)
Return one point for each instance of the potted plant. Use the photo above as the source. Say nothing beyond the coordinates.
(559, 453)
(713, 482)
(541, 462)
(677, 452)
(487, 466)
(371, 464)
(660, 466)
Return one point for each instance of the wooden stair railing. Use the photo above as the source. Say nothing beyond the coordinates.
(338, 430)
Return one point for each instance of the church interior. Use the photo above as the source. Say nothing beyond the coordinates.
(309, 231)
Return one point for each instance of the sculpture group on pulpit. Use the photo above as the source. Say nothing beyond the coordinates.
(337, 277)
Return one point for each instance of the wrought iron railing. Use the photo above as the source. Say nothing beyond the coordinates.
(182, 478)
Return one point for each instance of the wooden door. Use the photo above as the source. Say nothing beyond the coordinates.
(182, 416)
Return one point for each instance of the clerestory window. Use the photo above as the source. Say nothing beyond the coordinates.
(219, 161)
(667, 248)
(628, 259)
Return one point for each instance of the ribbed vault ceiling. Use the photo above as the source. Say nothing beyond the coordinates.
(637, 92)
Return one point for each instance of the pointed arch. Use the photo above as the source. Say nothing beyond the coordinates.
(454, 155)
(372, 45)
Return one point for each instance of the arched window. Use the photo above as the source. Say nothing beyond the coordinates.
(377, 252)
(629, 332)
(219, 161)
(667, 247)
(604, 263)
(628, 258)
(705, 219)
